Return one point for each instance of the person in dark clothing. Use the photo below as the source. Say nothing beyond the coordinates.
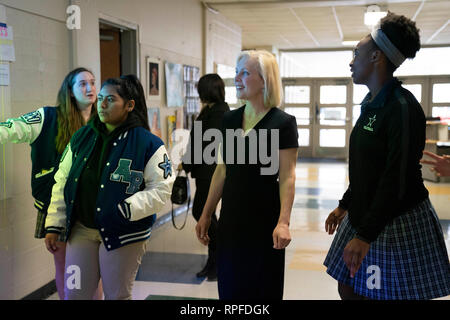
(211, 90)
(389, 244)
(114, 177)
(257, 195)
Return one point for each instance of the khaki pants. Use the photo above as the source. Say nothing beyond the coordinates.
(87, 260)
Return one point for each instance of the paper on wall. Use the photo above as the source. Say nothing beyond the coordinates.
(4, 74)
(6, 43)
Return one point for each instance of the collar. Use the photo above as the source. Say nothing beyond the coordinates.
(100, 128)
(380, 99)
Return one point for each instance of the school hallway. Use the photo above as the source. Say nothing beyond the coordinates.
(174, 257)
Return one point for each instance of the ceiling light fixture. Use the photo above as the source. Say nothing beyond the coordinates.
(373, 15)
(349, 43)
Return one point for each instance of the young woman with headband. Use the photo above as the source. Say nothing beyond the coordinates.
(389, 244)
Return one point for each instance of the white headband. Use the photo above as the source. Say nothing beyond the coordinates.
(383, 42)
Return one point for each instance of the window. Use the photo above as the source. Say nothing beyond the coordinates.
(296, 94)
(333, 94)
(230, 95)
(316, 64)
(332, 116)
(332, 138)
(301, 115)
(415, 89)
(441, 92)
(226, 72)
(428, 61)
(359, 93)
(356, 113)
(303, 137)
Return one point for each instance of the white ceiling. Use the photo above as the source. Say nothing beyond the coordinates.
(308, 24)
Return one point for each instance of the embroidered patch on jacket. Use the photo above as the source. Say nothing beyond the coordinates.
(44, 172)
(166, 166)
(7, 124)
(123, 173)
(368, 126)
(32, 117)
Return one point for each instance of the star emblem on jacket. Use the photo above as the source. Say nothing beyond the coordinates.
(166, 166)
(372, 120)
(369, 125)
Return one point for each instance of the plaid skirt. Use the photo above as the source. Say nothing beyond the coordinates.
(39, 232)
(408, 260)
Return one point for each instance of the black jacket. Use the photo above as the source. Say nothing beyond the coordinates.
(211, 118)
(386, 145)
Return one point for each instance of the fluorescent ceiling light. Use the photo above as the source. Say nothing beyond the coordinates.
(373, 15)
(350, 43)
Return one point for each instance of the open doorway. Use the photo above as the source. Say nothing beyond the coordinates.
(118, 50)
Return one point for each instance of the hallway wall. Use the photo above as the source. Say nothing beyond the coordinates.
(171, 30)
(41, 42)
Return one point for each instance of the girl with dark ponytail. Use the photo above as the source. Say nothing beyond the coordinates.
(137, 91)
(114, 177)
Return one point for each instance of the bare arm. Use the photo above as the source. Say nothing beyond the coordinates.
(288, 159)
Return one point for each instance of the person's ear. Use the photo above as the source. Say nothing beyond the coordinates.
(376, 55)
(130, 105)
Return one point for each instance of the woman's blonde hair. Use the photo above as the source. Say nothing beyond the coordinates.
(267, 67)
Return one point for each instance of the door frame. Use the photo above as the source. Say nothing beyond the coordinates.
(313, 150)
(332, 152)
(426, 102)
(131, 64)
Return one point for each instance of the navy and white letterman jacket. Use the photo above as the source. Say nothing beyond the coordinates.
(135, 184)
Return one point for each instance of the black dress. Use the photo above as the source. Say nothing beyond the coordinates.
(248, 266)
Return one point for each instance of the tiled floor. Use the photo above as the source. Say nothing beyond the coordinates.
(173, 258)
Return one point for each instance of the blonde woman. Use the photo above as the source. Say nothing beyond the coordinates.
(257, 196)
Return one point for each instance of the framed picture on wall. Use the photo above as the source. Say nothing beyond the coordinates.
(174, 84)
(154, 121)
(153, 79)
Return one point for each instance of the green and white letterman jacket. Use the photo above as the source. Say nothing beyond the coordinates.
(38, 128)
(135, 184)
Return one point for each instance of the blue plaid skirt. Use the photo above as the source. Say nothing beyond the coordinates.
(408, 260)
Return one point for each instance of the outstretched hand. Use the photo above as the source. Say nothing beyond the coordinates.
(441, 164)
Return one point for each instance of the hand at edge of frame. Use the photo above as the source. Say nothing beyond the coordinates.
(281, 236)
